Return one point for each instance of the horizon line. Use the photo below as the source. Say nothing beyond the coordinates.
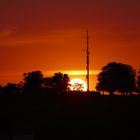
(71, 72)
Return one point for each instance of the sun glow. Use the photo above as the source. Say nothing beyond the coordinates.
(73, 72)
(77, 84)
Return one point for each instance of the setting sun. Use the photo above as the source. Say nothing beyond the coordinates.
(77, 84)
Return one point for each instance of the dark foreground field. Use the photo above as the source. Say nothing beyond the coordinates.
(70, 117)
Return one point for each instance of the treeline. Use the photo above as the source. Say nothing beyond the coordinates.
(34, 83)
(114, 77)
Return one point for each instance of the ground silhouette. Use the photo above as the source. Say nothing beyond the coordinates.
(69, 116)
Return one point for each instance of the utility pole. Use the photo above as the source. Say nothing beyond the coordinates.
(87, 52)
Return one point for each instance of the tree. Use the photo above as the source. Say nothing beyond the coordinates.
(77, 87)
(116, 77)
(10, 89)
(138, 82)
(33, 82)
(60, 81)
(1, 89)
(47, 83)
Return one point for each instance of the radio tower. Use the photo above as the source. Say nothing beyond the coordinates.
(87, 52)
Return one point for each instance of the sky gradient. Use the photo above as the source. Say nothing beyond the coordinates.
(50, 35)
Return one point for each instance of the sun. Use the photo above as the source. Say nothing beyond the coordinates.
(77, 84)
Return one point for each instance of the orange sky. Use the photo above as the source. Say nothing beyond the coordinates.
(49, 35)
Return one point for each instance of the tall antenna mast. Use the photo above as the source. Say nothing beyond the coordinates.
(87, 52)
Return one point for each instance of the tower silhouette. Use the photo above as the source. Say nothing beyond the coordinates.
(87, 57)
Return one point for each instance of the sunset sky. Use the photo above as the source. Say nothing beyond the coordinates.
(50, 35)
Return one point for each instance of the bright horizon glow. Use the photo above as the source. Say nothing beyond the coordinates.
(72, 72)
(79, 81)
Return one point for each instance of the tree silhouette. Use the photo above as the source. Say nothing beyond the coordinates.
(10, 89)
(60, 81)
(47, 82)
(33, 82)
(116, 77)
(1, 89)
(138, 82)
(77, 87)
